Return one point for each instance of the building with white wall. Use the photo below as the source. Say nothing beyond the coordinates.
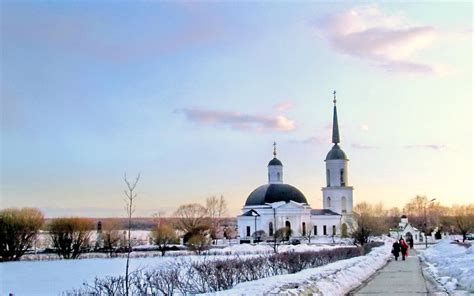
(277, 205)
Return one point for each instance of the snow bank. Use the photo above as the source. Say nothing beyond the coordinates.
(336, 278)
(451, 265)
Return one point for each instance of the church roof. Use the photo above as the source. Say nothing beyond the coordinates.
(270, 193)
(325, 212)
(250, 213)
(275, 161)
(336, 153)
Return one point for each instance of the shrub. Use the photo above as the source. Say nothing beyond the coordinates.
(18, 230)
(191, 277)
(70, 236)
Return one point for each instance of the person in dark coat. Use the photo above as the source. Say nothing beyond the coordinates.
(403, 248)
(396, 250)
(410, 242)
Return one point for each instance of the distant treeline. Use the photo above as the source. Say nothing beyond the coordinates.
(142, 223)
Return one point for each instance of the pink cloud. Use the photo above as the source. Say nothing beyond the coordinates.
(363, 146)
(385, 40)
(240, 121)
(427, 146)
(284, 106)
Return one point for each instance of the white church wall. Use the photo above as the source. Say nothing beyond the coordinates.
(334, 167)
(329, 221)
(275, 174)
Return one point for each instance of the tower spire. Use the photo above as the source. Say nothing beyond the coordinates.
(335, 126)
(274, 149)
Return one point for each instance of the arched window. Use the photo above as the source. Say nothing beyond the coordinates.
(334, 230)
(344, 204)
(248, 231)
(303, 228)
(329, 201)
(278, 176)
(325, 230)
(343, 182)
(270, 228)
(327, 178)
(315, 230)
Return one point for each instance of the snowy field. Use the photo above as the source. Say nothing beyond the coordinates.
(451, 265)
(56, 276)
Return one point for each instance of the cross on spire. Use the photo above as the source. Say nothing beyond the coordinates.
(274, 149)
(334, 101)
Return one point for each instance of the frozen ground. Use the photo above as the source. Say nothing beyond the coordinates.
(451, 265)
(53, 277)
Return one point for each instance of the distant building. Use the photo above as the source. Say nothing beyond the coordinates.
(406, 231)
(277, 205)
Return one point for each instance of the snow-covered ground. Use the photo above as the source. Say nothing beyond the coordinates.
(451, 265)
(336, 278)
(56, 276)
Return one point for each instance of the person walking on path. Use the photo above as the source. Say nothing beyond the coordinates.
(396, 250)
(404, 248)
(410, 242)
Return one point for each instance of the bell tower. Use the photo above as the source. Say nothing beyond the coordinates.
(337, 195)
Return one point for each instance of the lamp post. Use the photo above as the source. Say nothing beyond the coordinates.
(426, 237)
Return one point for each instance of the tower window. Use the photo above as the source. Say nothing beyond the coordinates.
(270, 228)
(344, 204)
(327, 178)
(334, 230)
(343, 183)
(278, 177)
(329, 202)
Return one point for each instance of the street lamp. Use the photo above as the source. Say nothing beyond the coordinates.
(255, 214)
(426, 237)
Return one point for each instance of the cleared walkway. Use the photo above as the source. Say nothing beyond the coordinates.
(397, 278)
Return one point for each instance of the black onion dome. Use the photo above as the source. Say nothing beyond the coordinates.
(336, 153)
(271, 193)
(275, 161)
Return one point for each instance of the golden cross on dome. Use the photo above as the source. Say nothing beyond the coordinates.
(274, 149)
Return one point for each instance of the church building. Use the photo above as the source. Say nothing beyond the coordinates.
(277, 205)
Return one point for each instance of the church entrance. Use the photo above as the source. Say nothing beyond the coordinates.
(288, 229)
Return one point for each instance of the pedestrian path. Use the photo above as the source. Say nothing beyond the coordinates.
(397, 278)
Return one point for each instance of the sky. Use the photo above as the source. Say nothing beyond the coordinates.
(192, 95)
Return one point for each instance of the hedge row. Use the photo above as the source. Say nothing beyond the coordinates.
(192, 277)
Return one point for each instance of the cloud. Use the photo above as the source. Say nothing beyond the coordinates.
(427, 146)
(364, 127)
(239, 121)
(312, 140)
(387, 41)
(284, 106)
(363, 146)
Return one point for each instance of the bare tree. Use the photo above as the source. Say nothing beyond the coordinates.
(463, 217)
(70, 236)
(191, 217)
(216, 208)
(370, 220)
(110, 235)
(308, 233)
(18, 230)
(163, 235)
(130, 197)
